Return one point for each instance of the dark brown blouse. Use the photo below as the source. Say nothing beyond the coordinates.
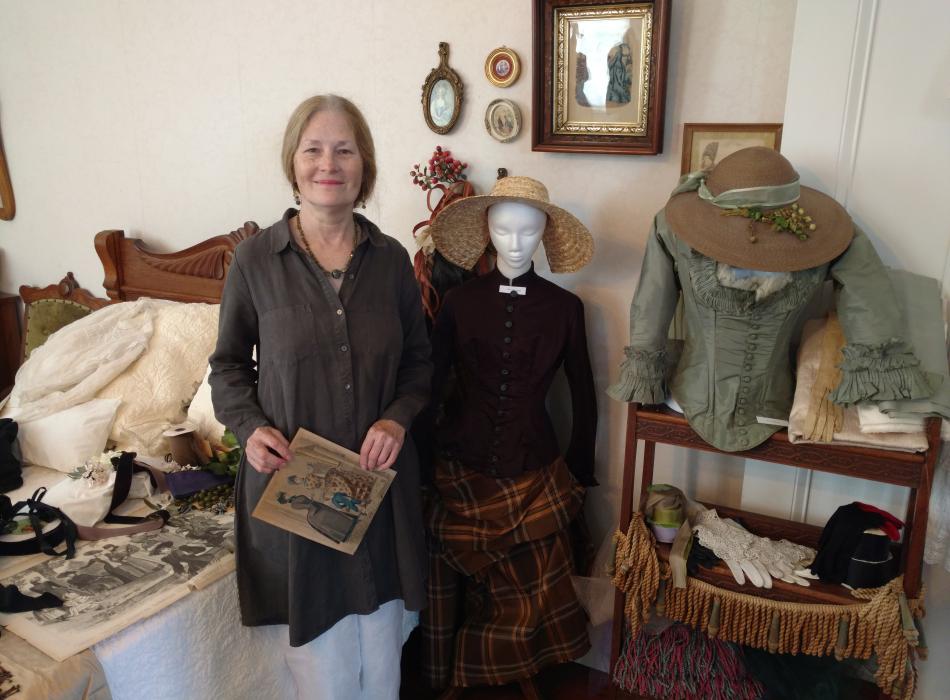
(505, 350)
(333, 364)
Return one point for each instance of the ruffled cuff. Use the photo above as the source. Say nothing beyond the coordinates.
(884, 372)
(642, 377)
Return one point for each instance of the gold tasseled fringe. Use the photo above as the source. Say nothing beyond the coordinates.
(876, 627)
(636, 571)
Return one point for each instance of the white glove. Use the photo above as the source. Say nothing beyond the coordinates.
(757, 558)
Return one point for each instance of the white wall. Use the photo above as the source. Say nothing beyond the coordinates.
(867, 119)
(165, 119)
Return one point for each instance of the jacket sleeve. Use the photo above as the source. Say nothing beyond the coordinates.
(415, 366)
(233, 376)
(580, 451)
(643, 372)
(879, 364)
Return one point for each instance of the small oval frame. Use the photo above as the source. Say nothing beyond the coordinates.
(490, 125)
(442, 72)
(502, 53)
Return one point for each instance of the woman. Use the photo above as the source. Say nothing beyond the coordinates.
(331, 306)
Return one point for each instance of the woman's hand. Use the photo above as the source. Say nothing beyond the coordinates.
(267, 450)
(382, 444)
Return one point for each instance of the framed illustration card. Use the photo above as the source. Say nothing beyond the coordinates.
(600, 76)
(323, 494)
(704, 145)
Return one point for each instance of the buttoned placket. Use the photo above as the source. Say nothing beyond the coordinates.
(745, 409)
(341, 336)
(341, 341)
(505, 375)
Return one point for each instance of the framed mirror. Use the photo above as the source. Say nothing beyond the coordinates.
(442, 94)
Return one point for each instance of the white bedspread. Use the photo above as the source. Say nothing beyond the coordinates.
(196, 648)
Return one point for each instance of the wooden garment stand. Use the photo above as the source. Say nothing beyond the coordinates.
(914, 470)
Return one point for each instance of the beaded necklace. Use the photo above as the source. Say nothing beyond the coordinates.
(335, 274)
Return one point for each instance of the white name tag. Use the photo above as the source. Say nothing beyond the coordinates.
(772, 421)
(507, 289)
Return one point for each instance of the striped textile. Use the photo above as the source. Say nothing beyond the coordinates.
(500, 550)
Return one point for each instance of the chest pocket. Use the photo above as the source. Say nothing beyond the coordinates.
(288, 333)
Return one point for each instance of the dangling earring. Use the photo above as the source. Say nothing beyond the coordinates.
(296, 195)
(363, 204)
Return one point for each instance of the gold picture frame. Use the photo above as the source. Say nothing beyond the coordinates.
(600, 76)
(7, 202)
(704, 145)
(442, 94)
(502, 67)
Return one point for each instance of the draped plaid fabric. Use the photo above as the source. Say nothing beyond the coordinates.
(505, 543)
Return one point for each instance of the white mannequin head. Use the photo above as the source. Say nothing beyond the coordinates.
(516, 229)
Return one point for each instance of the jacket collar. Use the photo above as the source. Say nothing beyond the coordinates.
(517, 281)
(366, 230)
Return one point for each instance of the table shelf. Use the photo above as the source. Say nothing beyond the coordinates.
(659, 424)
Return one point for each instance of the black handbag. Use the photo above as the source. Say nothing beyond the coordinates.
(10, 466)
(38, 515)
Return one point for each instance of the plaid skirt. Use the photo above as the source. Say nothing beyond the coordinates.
(501, 602)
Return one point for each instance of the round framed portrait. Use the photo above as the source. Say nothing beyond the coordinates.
(502, 67)
(503, 120)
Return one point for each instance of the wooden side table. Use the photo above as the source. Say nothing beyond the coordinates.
(10, 340)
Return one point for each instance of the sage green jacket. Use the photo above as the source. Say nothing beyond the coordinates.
(735, 363)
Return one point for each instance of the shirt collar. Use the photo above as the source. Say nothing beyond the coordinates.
(365, 230)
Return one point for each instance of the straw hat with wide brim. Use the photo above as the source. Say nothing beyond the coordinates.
(704, 227)
(460, 231)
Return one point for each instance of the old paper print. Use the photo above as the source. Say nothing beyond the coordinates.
(323, 494)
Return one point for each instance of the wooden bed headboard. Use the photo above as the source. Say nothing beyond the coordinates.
(195, 274)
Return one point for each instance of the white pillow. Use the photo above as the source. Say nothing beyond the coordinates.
(156, 390)
(201, 413)
(66, 439)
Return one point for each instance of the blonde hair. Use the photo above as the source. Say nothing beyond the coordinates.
(298, 121)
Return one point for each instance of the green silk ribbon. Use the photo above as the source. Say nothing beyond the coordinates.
(745, 197)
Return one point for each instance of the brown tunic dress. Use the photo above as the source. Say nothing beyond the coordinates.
(333, 364)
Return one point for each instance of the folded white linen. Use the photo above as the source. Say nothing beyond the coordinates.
(849, 431)
(873, 420)
(87, 502)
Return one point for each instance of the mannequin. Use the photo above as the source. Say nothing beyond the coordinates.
(503, 496)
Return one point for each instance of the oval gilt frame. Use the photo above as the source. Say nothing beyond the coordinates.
(439, 73)
(514, 127)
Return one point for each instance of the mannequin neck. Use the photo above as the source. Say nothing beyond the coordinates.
(511, 272)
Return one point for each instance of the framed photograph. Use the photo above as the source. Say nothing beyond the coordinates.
(503, 120)
(442, 94)
(502, 67)
(600, 76)
(704, 145)
(7, 203)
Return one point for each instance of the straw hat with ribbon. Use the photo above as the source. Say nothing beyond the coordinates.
(460, 231)
(750, 211)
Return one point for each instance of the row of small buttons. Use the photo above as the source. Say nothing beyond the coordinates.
(745, 380)
(504, 386)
